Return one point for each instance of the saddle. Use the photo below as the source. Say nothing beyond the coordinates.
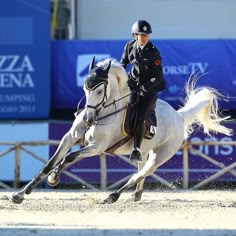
(129, 121)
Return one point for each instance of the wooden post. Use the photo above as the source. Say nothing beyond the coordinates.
(17, 166)
(103, 166)
(185, 167)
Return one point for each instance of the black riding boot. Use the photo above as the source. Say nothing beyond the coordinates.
(136, 155)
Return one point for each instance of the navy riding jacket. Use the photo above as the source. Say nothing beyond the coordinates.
(150, 66)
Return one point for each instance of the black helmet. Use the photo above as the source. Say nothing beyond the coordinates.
(141, 27)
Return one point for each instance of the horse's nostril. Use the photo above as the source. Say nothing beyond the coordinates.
(84, 118)
(88, 120)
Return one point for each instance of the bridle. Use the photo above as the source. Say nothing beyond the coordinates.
(101, 104)
(98, 76)
(98, 107)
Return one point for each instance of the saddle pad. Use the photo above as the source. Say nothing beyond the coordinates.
(129, 120)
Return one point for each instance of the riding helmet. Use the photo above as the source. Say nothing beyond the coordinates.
(141, 27)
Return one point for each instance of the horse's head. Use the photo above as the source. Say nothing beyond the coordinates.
(96, 90)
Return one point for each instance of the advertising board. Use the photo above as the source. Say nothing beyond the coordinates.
(172, 170)
(24, 59)
(213, 60)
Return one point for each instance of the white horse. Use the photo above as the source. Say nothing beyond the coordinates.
(98, 128)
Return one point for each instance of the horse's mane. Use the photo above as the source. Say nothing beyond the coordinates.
(118, 72)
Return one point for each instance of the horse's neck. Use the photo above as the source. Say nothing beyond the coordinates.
(120, 95)
(116, 104)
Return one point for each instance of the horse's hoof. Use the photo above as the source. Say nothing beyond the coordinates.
(53, 179)
(17, 198)
(112, 198)
(137, 195)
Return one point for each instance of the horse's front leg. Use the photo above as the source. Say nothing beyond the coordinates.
(62, 149)
(69, 159)
(68, 140)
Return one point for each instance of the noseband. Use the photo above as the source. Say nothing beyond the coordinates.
(101, 104)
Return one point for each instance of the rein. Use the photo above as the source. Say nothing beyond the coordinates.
(113, 113)
(113, 103)
(102, 103)
(105, 106)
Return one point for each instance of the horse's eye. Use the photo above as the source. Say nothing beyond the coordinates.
(100, 92)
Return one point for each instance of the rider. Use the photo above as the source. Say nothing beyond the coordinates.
(145, 77)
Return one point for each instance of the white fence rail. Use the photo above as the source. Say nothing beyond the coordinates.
(20, 147)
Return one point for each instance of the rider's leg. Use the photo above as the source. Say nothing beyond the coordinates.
(145, 102)
(138, 137)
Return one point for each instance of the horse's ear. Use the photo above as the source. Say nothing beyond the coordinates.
(108, 67)
(91, 66)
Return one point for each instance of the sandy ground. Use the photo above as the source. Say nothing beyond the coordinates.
(163, 213)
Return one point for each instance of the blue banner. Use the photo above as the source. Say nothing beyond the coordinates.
(24, 59)
(214, 60)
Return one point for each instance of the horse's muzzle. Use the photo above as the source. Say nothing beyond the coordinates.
(88, 120)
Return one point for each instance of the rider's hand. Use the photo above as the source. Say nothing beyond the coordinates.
(142, 90)
(132, 84)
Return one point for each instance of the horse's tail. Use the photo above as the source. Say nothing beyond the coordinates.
(201, 108)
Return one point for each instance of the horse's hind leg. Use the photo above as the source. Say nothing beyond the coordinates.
(156, 158)
(148, 168)
(71, 157)
(137, 195)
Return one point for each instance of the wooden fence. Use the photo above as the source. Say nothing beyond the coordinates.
(20, 147)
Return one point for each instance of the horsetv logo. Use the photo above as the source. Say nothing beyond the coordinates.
(16, 71)
(83, 62)
(185, 69)
(82, 65)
